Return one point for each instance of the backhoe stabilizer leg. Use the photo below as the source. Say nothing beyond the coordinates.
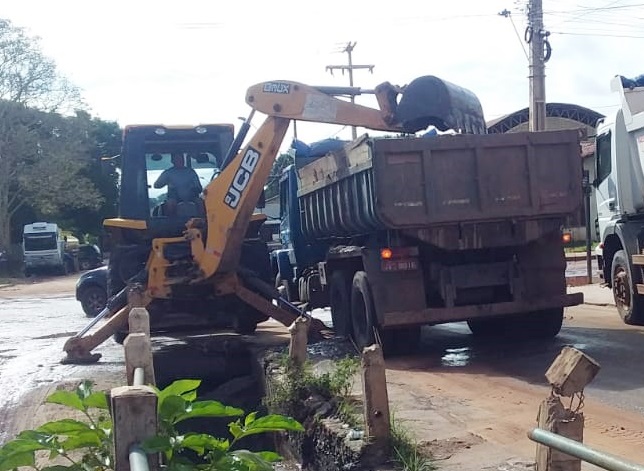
(79, 349)
(317, 329)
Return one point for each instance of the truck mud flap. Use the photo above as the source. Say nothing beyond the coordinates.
(429, 101)
(463, 313)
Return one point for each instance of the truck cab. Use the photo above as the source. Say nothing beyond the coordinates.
(43, 248)
(619, 189)
(296, 252)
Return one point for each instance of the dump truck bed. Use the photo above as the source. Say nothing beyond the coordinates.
(383, 183)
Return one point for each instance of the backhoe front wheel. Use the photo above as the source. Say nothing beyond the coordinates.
(629, 303)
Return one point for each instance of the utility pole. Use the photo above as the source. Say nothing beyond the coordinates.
(350, 68)
(537, 38)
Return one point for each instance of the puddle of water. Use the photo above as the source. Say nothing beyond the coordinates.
(457, 357)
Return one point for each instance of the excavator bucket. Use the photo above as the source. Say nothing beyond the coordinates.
(429, 100)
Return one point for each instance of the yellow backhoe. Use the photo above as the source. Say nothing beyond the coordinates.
(207, 257)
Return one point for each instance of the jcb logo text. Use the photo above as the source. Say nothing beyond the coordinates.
(242, 177)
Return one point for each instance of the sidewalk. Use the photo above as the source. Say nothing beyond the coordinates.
(594, 294)
(579, 256)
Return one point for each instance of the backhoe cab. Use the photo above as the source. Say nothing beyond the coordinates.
(207, 257)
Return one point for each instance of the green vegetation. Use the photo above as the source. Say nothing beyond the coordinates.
(407, 455)
(296, 385)
(50, 167)
(87, 445)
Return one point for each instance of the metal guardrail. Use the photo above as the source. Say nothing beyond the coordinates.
(138, 459)
(138, 377)
(581, 451)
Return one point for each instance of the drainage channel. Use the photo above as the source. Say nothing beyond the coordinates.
(246, 372)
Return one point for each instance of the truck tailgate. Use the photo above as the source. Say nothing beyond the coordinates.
(419, 182)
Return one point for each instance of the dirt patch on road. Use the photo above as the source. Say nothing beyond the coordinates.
(38, 287)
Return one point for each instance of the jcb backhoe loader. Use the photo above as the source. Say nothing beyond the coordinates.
(206, 257)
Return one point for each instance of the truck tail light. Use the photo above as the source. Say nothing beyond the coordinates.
(386, 254)
(566, 237)
(389, 253)
(398, 259)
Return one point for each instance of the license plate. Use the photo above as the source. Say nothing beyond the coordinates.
(399, 265)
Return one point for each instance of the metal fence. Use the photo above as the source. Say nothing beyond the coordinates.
(583, 452)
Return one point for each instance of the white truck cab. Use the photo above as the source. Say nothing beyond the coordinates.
(43, 248)
(619, 189)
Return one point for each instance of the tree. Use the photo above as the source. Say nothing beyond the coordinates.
(105, 141)
(42, 151)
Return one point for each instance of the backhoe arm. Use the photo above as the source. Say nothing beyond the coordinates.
(231, 197)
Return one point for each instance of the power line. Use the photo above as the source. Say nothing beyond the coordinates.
(507, 14)
(596, 9)
(599, 35)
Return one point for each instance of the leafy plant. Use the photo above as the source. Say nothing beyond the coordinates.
(65, 438)
(177, 403)
(86, 446)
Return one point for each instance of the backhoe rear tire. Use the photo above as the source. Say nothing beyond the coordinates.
(244, 324)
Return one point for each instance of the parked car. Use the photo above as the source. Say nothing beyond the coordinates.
(89, 256)
(91, 291)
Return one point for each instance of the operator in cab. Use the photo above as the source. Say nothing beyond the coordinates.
(182, 182)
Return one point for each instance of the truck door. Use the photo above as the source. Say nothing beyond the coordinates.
(606, 191)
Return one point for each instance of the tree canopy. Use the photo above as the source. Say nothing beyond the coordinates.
(49, 148)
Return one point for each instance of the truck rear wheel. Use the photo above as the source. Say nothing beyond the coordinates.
(629, 304)
(362, 311)
(542, 324)
(365, 324)
(340, 303)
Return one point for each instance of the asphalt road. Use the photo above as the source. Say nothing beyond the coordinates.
(454, 385)
(31, 347)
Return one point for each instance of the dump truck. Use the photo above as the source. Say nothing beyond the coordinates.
(619, 191)
(396, 233)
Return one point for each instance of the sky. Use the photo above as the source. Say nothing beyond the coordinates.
(191, 61)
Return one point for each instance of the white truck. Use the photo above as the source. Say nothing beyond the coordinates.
(619, 186)
(45, 248)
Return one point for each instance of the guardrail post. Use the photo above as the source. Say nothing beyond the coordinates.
(138, 354)
(376, 400)
(299, 339)
(139, 321)
(568, 375)
(134, 417)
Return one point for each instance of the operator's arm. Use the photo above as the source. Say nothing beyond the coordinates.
(162, 180)
(196, 183)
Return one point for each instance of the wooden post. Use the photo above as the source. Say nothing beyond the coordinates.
(138, 354)
(555, 418)
(139, 321)
(134, 417)
(376, 401)
(136, 296)
(568, 375)
(299, 338)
